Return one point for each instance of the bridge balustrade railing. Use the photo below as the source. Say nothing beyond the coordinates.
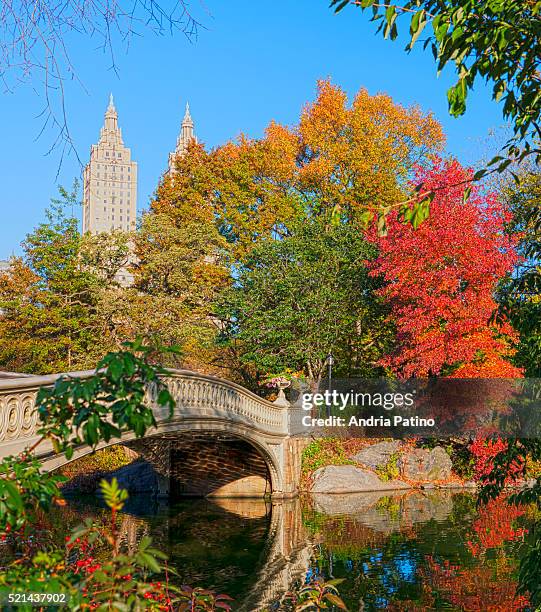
(197, 396)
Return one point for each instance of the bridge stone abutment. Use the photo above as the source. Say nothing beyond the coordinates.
(222, 439)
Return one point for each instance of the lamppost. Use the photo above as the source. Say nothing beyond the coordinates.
(330, 363)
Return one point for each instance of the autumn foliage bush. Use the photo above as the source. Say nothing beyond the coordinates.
(484, 451)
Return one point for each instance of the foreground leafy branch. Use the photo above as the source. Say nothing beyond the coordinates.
(76, 411)
(112, 402)
(495, 40)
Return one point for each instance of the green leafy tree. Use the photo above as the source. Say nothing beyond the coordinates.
(105, 254)
(49, 296)
(46, 300)
(299, 298)
(495, 40)
(178, 273)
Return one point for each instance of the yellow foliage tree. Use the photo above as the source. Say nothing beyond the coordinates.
(342, 161)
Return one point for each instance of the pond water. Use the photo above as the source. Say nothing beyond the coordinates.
(430, 550)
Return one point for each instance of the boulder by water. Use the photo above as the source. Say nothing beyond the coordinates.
(350, 479)
(378, 455)
(421, 464)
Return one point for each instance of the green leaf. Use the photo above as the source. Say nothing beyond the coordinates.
(418, 24)
(149, 561)
(339, 5)
(164, 397)
(456, 96)
(115, 370)
(14, 499)
(480, 174)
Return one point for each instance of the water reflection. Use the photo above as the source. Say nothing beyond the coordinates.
(412, 551)
(419, 551)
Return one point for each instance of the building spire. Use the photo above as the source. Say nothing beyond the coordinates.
(111, 110)
(187, 117)
(110, 131)
(187, 134)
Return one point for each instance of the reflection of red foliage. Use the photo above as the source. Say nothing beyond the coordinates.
(495, 525)
(488, 587)
(484, 452)
(480, 588)
(484, 587)
(441, 279)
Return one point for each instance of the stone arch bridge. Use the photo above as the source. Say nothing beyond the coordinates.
(218, 427)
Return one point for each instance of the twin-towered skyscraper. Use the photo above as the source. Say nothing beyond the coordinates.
(110, 177)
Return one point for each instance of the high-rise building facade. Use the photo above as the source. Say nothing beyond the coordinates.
(110, 181)
(187, 134)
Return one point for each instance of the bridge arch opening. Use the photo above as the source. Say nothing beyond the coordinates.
(208, 464)
(187, 464)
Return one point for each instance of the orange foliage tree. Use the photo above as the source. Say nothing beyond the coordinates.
(343, 160)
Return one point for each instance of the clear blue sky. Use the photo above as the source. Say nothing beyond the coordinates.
(254, 62)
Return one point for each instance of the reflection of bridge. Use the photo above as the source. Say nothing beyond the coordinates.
(283, 563)
(205, 406)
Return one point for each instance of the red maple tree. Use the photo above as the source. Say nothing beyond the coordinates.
(441, 279)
